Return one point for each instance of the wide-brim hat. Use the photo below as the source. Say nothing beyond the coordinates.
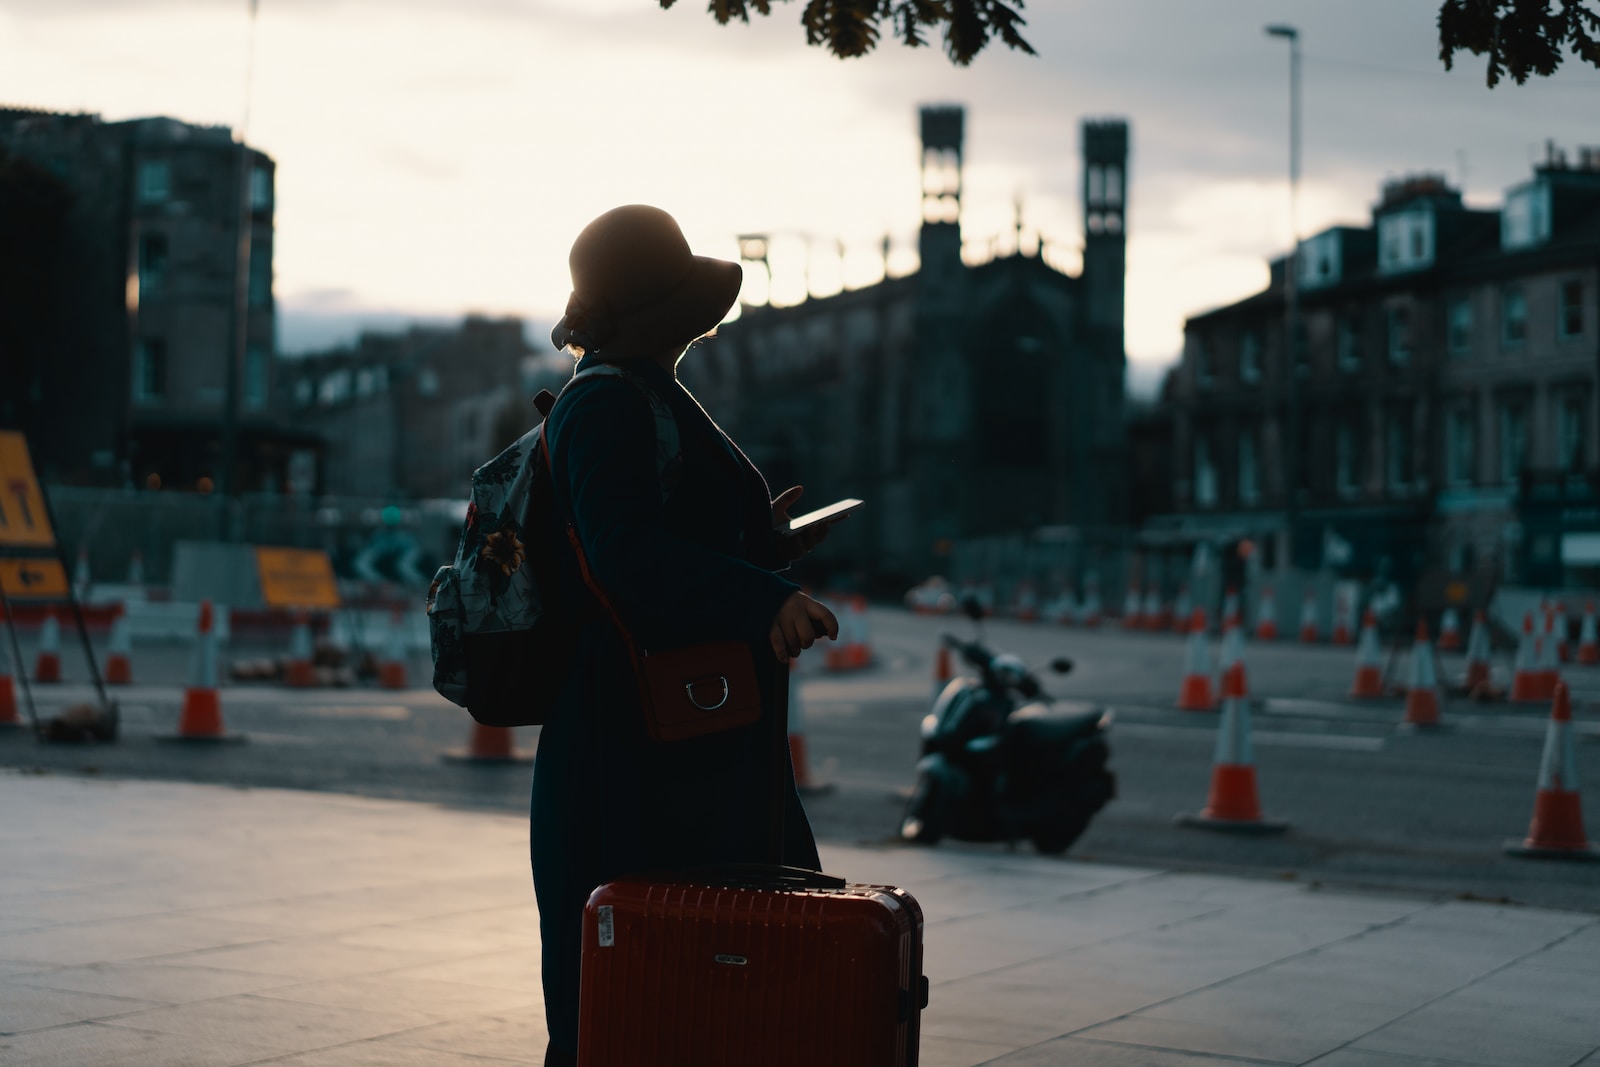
(638, 289)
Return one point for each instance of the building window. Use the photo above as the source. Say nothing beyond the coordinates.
(152, 264)
(260, 276)
(335, 388)
(1458, 326)
(1513, 315)
(260, 189)
(155, 181)
(1525, 219)
(254, 394)
(1570, 434)
(1572, 308)
(149, 369)
(1204, 367)
(1346, 457)
(428, 382)
(1250, 356)
(1399, 336)
(1513, 440)
(1205, 473)
(366, 383)
(1399, 449)
(1349, 343)
(1249, 467)
(1461, 446)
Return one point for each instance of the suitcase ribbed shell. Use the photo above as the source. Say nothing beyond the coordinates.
(677, 973)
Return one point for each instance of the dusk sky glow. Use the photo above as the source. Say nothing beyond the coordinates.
(436, 158)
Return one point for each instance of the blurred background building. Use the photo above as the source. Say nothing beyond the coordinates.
(118, 256)
(979, 397)
(1448, 369)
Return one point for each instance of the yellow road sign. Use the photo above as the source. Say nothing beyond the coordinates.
(296, 578)
(33, 579)
(24, 522)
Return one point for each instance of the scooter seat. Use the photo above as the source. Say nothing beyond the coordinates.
(1045, 725)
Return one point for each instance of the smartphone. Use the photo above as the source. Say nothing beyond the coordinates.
(837, 510)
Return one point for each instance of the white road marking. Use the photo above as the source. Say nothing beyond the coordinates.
(1269, 738)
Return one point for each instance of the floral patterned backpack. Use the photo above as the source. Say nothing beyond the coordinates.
(502, 639)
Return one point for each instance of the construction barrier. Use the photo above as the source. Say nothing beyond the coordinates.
(119, 653)
(1422, 692)
(1233, 802)
(47, 663)
(201, 717)
(1194, 694)
(1368, 683)
(1556, 830)
(488, 744)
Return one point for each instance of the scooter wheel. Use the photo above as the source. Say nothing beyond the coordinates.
(922, 824)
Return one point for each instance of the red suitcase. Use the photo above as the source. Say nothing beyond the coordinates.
(751, 966)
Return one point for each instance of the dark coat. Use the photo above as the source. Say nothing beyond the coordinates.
(697, 567)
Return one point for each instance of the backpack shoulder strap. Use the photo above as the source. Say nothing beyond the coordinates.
(669, 445)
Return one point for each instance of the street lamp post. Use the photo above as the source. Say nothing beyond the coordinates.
(1291, 296)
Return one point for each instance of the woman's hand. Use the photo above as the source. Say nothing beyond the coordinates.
(792, 546)
(800, 623)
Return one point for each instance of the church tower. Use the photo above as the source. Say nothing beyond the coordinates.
(1101, 497)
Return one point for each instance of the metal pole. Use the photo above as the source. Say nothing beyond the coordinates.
(226, 484)
(1291, 296)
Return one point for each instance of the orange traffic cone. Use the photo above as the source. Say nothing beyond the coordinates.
(392, 669)
(1092, 611)
(804, 781)
(1179, 622)
(1310, 633)
(201, 717)
(119, 656)
(1546, 669)
(942, 670)
(1588, 646)
(1563, 625)
(1449, 631)
(1267, 616)
(1556, 831)
(1233, 803)
(1132, 617)
(1422, 695)
(1478, 651)
(1525, 682)
(1232, 654)
(1369, 661)
(298, 668)
(860, 652)
(1027, 606)
(488, 744)
(1230, 603)
(47, 664)
(1343, 618)
(8, 692)
(1195, 692)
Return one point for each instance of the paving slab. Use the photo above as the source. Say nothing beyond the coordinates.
(178, 924)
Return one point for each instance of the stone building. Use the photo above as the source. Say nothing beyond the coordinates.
(980, 396)
(119, 349)
(409, 415)
(1447, 388)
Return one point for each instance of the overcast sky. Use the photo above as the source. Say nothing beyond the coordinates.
(438, 157)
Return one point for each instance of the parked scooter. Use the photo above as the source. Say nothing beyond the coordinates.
(1003, 761)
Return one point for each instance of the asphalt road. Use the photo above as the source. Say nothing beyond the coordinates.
(1369, 803)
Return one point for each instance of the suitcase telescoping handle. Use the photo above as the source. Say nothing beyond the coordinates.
(778, 747)
(765, 876)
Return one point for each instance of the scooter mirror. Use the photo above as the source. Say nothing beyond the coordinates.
(972, 608)
(1061, 665)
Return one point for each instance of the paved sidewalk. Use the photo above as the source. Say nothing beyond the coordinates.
(170, 924)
